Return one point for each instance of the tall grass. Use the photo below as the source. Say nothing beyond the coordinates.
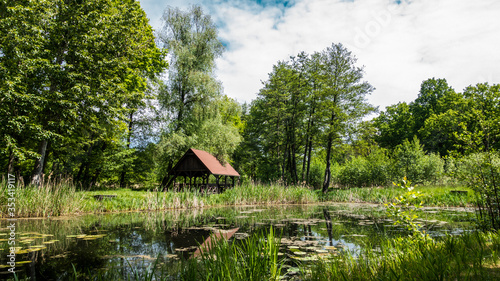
(63, 198)
(251, 194)
(51, 199)
(433, 195)
(472, 256)
(256, 258)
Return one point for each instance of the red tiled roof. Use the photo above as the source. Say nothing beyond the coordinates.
(213, 165)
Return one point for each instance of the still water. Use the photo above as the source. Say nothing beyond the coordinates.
(52, 249)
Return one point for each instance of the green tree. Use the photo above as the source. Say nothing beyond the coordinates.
(23, 58)
(342, 97)
(394, 125)
(192, 96)
(482, 129)
(428, 101)
(304, 107)
(276, 120)
(191, 38)
(93, 60)
(410, 160)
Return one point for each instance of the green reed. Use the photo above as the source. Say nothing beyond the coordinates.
(472, 256)
(49, 199)
(255, 258)
(442, 196)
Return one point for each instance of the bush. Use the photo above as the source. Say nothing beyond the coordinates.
(411, 161)
(316, 173)
(360, 171)
(481, 172)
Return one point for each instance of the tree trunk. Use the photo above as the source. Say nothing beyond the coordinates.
(309, 159)
(304, 161)
(308, 148)
(328, 174)
(84, 163)
(36, 177)
(46, 158)
(326, 182)
(124, 169)
(10, 165)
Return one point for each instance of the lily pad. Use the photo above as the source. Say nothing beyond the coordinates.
(321, 251)
(300, 253)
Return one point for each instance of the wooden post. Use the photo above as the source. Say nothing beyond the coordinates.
(217, 177)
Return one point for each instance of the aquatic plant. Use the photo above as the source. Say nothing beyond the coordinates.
(404, 209)
(481, 172)
(256, 258)
(472, 256)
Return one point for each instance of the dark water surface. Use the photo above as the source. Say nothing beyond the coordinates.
(52, 249)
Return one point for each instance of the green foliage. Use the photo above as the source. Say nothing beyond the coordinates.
(446, 122)
(481, 172)
(404, 210)
(481, 131)
(84, 67)
(395, 125)
(256, 258)
(472, 256)
(52, 198)
(191, 38)
(200, 116)
(305, 107)
(63, 198)
(372, 170)
(379, 168)
(411, 161)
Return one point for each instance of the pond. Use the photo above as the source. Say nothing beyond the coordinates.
(52, 249)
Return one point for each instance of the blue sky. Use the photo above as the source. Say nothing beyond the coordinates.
(400, 43)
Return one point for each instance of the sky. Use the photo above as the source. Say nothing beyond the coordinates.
(399, 43)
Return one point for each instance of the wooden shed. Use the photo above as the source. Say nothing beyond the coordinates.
(198, 164)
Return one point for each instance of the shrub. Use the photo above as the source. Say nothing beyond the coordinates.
(481, 172)
(360, 171)
(411, 161)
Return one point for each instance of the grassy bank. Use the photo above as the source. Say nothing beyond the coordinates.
(440, 196)
(66, 199)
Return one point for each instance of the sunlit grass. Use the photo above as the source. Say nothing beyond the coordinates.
(471, 256)
(65, 198)
(441, 196)
(52, 199)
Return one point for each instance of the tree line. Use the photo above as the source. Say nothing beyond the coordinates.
(306, 106)
(90, 92)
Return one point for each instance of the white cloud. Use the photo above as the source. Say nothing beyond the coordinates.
(400, 45)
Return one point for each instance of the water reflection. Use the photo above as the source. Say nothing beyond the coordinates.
(50, 248)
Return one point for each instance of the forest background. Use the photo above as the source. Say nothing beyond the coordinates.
(90, 93)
